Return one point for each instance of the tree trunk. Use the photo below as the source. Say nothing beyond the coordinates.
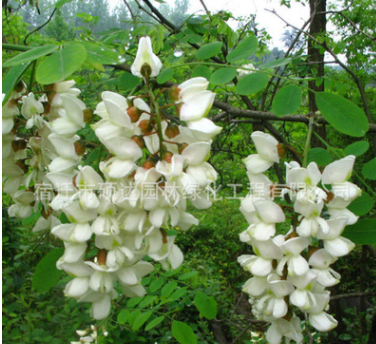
(316, 61)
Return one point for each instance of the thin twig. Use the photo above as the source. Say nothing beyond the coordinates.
(206, 9)
(350, 295)
(40, 27)
(249, 114)
(130, 10)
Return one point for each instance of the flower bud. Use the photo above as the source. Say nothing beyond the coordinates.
(146, 126)
(182, 146)
(134, 114)
(148, 164)
(173, 93)
(138, 140)
(167, 157)
(79, 148)
(172, 131)
(88, 115)
(102, 256)
(281, 148)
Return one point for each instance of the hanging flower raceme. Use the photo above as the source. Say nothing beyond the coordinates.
(150, 167)
(290, 271)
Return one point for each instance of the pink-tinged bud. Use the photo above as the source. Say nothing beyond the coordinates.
(167, 157)
(138, 140)
(172, 131)
(102, 257)
(146, 126)
(281, 148)
(134, 114)
(148, 164)
(182, 146)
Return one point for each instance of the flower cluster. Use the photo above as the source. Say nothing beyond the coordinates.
(146, 150)
(291, 271)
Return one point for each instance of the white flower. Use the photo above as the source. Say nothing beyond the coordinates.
(282, 328)
(267, 150)
(31, 109)
(145, 56)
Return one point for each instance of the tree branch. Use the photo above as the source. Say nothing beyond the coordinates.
(250, 114)
(40, 27)
(350, 295)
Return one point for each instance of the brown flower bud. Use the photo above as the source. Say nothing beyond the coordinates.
(138, 140)
(148, 164)
(167, 157)
(173, 93)
(88, 115)
(182, 146)
(102, 257)
(172, 131)
(281, 150)
(134, 114)
(146, 126)
(79, 147)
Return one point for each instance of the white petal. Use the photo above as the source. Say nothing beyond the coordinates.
(338, 171)
(322, 322)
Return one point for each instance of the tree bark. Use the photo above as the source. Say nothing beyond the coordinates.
(316, 60)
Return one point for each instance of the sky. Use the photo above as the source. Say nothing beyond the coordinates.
(296, 15)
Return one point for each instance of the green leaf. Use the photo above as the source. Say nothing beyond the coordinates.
(134, 301)
(194, 38)
(223, 76)
(251, 83)
(177, 294)
(141, 319)
(362, 205)
(209, 50)
(357, 148)
(100, 54)
(60, 3)
(154, 323)
(276, 63)
(369, 169)
(128, 81)
(320, 156)
(168, 288)
(46, 274)
(183, 333)
(61, 64)
(31, 55)
(206, 305)
(203, 71)
(287, 100)
(123, 316)
(149, 299)
(362, 233)
(12, 78)
(244, 50)
(133, 316)
(342, 114)
(188, 275)
(165, 75)
(156, 284)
